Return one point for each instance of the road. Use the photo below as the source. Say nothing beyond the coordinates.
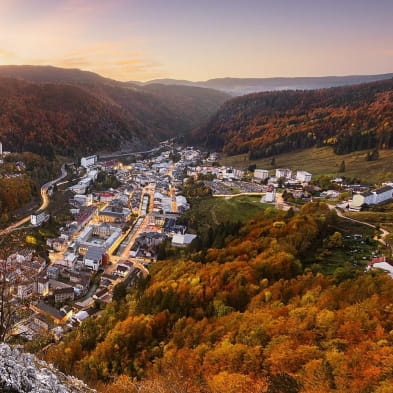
(379, 238)
(239, 194)
(127, 153)
(44, 204)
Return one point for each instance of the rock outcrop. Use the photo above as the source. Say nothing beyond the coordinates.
(24, 373)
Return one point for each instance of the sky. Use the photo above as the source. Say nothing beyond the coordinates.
(200, 39)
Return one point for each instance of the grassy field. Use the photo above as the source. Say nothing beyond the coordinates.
(213, 211)
(380, 219)
(323, 161)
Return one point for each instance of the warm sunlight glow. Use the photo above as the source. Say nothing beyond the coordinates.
(131, 40)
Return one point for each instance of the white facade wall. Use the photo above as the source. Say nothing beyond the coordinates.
(88, 161)
(283, 172)
(303, 176)
(261, 174)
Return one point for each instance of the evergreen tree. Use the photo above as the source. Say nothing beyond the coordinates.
(273, 162)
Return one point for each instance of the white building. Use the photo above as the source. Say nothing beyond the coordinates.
(237, 173)
(84, 200)
(303, 176)
(283, 172)
(261, 174)
(372, 197)
(270, 195)
(180, 240)
(88, 161)
(382, 263)
(39, 217)
(93, 258)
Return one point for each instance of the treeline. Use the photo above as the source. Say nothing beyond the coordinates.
(50, 119)
(348, 118)
(251, 318)
(20, 183)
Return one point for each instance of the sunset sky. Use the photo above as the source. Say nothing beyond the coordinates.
(200, 39)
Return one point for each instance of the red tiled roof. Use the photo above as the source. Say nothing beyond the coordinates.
(380, 260)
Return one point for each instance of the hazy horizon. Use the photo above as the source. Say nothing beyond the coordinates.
(185, 40)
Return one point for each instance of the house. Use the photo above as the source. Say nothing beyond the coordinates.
(39, 217)
(372, 197)
(383, 263)
(303, 176)
(261, 174)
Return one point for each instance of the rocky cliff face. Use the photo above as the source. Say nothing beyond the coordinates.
(22, 373)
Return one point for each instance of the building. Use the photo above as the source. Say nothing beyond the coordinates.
(25, 289)
(43, 286)
(39, 217)
(382, 263)
(88, 161)
(102, 236)
(84, 200)
(270, 195)
(180, 240)
(261, 174)
(303, 176)
(63, 294)
(283, 172)
(238, 173)
(114, 214)
(372, 197)
(53, 272)
(93, 258)
(58, 316)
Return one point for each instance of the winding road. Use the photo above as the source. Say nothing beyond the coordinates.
(45, 202)
(376, 237)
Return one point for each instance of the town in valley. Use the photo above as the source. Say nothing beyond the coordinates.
(125, 208)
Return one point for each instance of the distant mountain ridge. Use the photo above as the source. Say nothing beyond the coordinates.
(349, 118)
(241, 86)
(68, 111)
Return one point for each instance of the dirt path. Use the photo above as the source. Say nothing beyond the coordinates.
(377, 237)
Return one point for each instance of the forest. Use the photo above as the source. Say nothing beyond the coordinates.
(51, 111)
(19, 184)
(247, 316)
(349, 118)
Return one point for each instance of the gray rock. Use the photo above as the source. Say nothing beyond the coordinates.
(24, 373)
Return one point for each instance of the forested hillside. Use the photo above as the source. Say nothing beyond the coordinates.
(348, 118)
(249, 317)
(50, 110)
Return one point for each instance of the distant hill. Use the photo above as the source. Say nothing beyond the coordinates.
(241, 86)
(70, 111)
(348, 118)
